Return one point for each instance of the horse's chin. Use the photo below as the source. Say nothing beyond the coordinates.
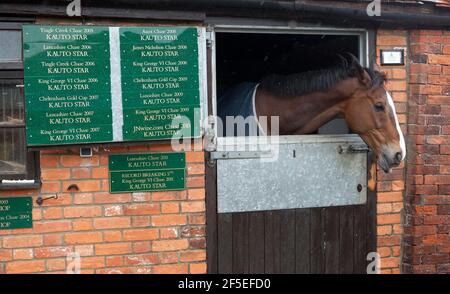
(383, 163)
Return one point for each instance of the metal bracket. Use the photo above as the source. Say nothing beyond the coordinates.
(209, 38)
(353, 148)
(240, 154)
(210, 139)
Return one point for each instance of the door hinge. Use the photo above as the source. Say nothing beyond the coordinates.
(209, 37)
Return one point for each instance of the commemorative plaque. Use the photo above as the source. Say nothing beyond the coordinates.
(16, 213)
(93, 84)
(147, 172)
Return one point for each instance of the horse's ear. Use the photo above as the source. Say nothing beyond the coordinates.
(361, 73)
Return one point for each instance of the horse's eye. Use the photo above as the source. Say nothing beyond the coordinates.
(379, 107)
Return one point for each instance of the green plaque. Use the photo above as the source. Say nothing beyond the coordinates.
(96, 84)
(67, 84)
(16, 213)
(147, 172)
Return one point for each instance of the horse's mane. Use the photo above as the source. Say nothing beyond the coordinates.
(315, 81)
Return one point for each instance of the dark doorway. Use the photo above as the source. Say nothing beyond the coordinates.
(306, 240)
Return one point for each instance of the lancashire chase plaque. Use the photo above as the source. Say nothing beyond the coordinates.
(16, 213)
(147, 172)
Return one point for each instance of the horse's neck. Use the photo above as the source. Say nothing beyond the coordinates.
(303, 114)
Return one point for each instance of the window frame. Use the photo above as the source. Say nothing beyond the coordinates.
(13, 71)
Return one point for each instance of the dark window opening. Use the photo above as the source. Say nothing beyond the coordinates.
(16, 163)
(249, 57)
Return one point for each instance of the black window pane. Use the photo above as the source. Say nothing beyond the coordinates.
(12, 151)
(11, 45)
(11, 103)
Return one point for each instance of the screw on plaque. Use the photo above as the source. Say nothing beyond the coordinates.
(359, 187)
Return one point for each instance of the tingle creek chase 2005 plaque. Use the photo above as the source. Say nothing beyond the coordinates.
(93, 84)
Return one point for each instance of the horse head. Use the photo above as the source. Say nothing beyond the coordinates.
(370, 112)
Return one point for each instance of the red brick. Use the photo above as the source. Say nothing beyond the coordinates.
(82, 225)
(92, 262)
(82, 211)
(197, 157)
(168, 257)
(83, 238)
(197, 219)
(22, 241)
(168, 195)
(390, 262)
(437, 179)
(48, 161)
(52, 226)
(188, 256)
(438, 59)
(168, 233)
(197, 268)
(6, 255)
(23, 254)
(50, 252)
(113, 261)
(56, 264)
(83, 198)
(23, 267)
(388, 240)
(426, 209)
(384, 230)
(193, 206)
(81, 173)
(52, 213)
(112, 236)
(142, 209)
(386, 40)
(112, 248)
(170, 245)
(170, 269)
(137, 260)
(52, 239)
(55, 174)
(77, 161)
(197, 243)
(50, 187)
(111, 198)
(112, 222)
(100, 173)
(140, 234)
(142, 247)
(390, 196)
(140, 221)
(195, 182)
(171, 207)
(168, 220)
(196, 194)
(424, 230)
(83, 186)
(113, 210)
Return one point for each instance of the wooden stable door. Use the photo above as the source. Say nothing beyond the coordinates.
(333, 239)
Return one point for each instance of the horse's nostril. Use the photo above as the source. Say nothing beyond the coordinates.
(398, 157)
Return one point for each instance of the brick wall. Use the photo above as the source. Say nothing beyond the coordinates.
(427, 227)
(159, 232)
(391, 187)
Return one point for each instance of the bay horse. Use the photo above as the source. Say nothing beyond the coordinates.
(303, 102)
